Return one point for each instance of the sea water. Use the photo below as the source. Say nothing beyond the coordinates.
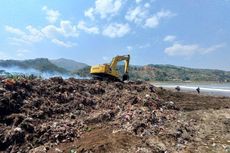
(216, 89)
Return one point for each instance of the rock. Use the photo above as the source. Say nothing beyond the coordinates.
(12, 136)
(57, 80)
(134, 100)
(139, 127)
(2, 90)
(40, 149)
(101, 117)
(58, 150)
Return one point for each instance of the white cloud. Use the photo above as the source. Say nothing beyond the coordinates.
(63, 44)
(105, 58)
(116, 30)
(21, 55)
(21, 52)
(213, 48)
(14, 30)
(136, 15)
(190, 49)
(147, 45)
(50, 31)
(164, 13)
(169, 38)
(3, 55)
(90, 13)
(147, 5)
(52, 15)
(18, 41)
(154, 21)
(66, 29)
(105, 8)
(140, 15)
(82, 26)
(138, 1)
(129, 48)
(138, 47)
(33, 34)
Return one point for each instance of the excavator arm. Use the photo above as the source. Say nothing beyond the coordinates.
(117, 59)
(109, 71)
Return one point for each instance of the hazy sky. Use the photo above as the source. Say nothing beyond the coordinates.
(193, 33)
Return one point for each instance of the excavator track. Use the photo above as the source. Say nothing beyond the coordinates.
(105, 77)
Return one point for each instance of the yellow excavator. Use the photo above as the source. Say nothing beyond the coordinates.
(109, 71)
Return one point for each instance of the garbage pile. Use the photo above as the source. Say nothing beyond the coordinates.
(48, 112)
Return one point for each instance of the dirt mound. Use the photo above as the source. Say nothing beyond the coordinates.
(57, 115)
(37, 112)
(190, 102)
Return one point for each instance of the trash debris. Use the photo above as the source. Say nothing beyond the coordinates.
(38, 115)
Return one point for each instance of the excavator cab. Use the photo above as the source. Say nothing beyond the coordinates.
(109, 71)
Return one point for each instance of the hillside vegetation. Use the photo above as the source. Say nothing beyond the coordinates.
(169, 73)
(148, 73)
(174, 73)
(40, 64)
(68, 64)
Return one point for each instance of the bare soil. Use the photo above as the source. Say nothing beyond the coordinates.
(57, 115)
(192, 101)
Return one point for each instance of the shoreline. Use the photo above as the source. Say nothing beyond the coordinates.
(192, 89)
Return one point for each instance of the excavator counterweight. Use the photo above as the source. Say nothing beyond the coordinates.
(109, 71)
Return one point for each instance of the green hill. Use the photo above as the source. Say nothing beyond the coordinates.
(68, 64)
(175, 73)
(40, 64)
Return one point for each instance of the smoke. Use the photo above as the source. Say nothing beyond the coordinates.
(15, 70)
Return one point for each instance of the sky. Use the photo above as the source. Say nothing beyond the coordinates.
(191, 33)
